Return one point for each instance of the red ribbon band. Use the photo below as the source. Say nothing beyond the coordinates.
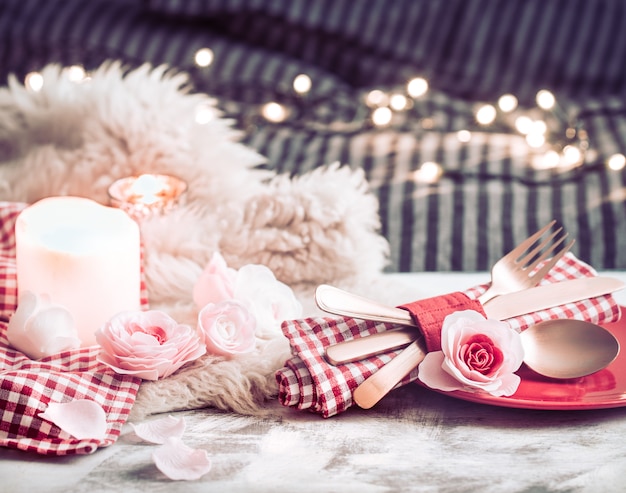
(429, 314)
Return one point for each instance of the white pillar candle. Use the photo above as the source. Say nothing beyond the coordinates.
(86, 256)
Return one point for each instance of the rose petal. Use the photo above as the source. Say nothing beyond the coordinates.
(159, 430)
(431, 374)
(180, 462)
(83, 419)
(508, 385)
(111, 363)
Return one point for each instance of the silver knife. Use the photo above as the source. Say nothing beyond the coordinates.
(506, 306)
(550, 295)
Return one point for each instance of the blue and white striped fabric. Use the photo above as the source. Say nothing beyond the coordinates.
(470, 51)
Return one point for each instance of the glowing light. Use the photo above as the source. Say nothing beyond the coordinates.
(203, 57)
(376, 97)
(428, 172)
(552, 159)
(524, 125)
(381, 116)
(76, 73)
(571, 156)
(34, 81)
(486, 114)
(398, 102)
(417, 87)
(507, 103)
(616, 162)
(274, 112)
(428, 123)
(464, 135)
(549, 160)
(535, 140)
(302, 84)
(545, 99)
(204, 114)
(539, 127)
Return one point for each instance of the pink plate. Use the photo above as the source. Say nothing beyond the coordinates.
(601, 390)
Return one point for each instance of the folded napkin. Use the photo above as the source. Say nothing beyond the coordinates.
(309, 382)
(27, 386)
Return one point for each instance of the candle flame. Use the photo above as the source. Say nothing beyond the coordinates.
(148, 189)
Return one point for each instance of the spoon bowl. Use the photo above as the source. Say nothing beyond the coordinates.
(567, 348)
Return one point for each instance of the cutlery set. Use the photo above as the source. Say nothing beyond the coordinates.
(567, 349)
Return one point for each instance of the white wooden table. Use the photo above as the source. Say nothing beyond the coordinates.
(414, 440)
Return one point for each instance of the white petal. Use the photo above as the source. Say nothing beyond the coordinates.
(159, 430)
(82, 418)
(180, 462)
(508, 386)
(432, 374)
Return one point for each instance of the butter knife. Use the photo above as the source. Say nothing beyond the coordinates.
(339, 302)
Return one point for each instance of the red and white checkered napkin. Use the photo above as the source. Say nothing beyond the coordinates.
(309, 382)
(27, 386)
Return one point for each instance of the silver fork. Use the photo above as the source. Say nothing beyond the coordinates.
(516, 270)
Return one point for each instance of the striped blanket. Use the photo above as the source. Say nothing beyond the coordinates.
(489, 197)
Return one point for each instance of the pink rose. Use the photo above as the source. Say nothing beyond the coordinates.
(227, 327)
(477, 354)
(150, 344)
(269, 301)
(216, 283)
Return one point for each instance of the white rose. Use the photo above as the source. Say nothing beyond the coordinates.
(40, 328)
(270, 300)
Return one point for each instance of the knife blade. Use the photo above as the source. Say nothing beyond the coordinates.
(500, 308)
(550, 295)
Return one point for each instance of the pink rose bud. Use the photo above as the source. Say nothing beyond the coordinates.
(216, 283)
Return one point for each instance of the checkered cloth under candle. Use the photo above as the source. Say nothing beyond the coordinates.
(309, 382)
(27, 386)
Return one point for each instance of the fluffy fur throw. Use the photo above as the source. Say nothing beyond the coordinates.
(76, 138)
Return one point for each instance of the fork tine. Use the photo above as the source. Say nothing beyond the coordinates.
(541, 273)
(519, 250)
(533, 255)
(545, 254)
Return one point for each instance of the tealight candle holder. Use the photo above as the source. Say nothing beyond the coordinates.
(146, 195)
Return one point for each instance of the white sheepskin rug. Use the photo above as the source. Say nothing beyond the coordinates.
(76, 138)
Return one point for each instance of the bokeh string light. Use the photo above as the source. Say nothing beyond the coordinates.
(555, 142)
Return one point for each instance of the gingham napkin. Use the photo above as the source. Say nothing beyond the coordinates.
(27, 386)
(309, 382)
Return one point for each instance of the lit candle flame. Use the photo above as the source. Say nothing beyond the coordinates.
(148, 189)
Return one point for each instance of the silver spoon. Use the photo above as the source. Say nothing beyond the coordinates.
(566, 348)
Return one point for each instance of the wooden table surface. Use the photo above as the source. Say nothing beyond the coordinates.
(413, 440)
